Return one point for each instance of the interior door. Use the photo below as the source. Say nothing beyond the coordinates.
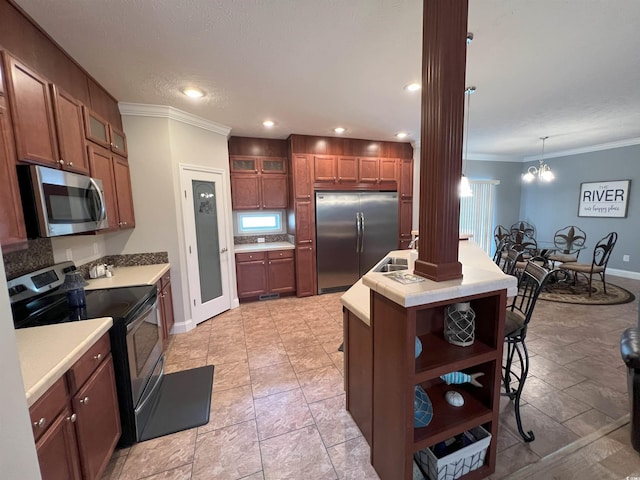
(206, 237)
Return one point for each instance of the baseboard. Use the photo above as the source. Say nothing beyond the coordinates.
(183, 327)
(623, 273)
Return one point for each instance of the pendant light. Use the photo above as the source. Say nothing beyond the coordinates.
(465, 187)
(543, 172)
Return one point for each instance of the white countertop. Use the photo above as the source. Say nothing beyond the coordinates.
(129, 276)
(47, 352)
(261, 247)
(480, 275)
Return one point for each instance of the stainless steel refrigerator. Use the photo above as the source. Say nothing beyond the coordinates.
(354, 231)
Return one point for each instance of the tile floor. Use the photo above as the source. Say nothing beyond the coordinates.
(278, 400)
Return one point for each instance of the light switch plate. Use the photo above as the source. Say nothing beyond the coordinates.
(260, 239)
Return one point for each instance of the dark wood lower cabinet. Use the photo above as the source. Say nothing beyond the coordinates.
(57, 450)
(98, 429)
(261, 273)
(166, 307)
(305, 271)
(77, 427)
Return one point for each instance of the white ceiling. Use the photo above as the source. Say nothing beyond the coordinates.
(568, 69)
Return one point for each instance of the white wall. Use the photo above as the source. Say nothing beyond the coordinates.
(157, 147)
(17, 449)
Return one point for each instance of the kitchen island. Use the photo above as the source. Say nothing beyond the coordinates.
(382, 318)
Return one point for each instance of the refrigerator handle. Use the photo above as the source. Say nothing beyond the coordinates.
(361, 232)
(358, 232)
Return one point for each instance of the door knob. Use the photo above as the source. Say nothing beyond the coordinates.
(223, 250)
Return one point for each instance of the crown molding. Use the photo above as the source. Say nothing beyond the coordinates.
(593, 148)
(163, 111)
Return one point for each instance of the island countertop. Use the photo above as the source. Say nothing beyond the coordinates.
(480, 275)
(47, 352)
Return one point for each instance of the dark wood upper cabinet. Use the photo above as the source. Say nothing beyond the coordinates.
(388, 170)
(118, 141)
(32, 111)
(258, 183)
(369, 170)
(406, 178)
(96, 128)
(70, 132)
(302, 182)
(347, 169)
(12, 231)
(325, 169)
(122, 179)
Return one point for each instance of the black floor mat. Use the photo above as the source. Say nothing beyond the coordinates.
(184, 401)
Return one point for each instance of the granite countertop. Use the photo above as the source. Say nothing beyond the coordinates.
(129, 276)
(47, 352)
(480, 275)
(261, 247)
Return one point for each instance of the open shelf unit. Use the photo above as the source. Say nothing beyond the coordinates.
(396, 372)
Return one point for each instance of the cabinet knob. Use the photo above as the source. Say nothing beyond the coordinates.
(250, 256)
(84, 400)
(97, 357)
(262, 263)
(269, 262)
(61, 162)
(72, 418)
(71, 164)
(40, 423)
(308, 196)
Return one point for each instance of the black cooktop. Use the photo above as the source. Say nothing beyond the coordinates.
(122, 304)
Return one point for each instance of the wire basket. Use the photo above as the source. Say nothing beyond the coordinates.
(460, 324)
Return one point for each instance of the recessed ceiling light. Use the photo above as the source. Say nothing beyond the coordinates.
(193, 92)
(339, 130)
(401, 134)
(412, 87)
(268, 123)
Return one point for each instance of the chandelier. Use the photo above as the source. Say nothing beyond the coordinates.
(542, 172)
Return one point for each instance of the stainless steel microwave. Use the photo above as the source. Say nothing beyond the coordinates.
(56, 202)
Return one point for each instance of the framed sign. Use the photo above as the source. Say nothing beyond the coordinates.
(604, 199)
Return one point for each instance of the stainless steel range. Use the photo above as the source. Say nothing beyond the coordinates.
(136, 339)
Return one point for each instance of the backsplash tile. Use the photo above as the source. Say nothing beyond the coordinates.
(244, 240)
(127, 260)
(38, 254)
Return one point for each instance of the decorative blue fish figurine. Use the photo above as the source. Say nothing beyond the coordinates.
(460, 377)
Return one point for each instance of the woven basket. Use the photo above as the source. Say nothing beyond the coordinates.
(460, 324)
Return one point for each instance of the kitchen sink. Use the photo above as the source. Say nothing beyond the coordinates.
(392, 264)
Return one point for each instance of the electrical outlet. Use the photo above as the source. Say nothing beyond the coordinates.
(260, 239)
(626, 258)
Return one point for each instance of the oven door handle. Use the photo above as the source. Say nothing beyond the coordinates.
(136, 323)
(148, 394)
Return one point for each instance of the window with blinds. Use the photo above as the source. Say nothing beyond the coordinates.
(476, 213)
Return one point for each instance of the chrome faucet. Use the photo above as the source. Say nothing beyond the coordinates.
(413, 242)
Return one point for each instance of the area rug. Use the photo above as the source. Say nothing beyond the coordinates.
(566, 292)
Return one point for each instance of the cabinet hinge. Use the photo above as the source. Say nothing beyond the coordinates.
(185, 194)
(194, 302)
(189, 248)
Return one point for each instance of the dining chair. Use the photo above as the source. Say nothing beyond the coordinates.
(568, 241)
(511, 260)
(601, 255)
(524, 227)
(500, 233)
(517, 318)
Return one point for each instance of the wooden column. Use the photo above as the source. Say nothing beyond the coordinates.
(443, 82)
